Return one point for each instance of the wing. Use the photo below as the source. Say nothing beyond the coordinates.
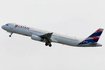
(47, 38)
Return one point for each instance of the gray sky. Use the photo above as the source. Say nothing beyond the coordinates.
(77, 18)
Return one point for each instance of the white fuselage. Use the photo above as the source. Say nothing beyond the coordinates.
(36, 34)
(28, 31)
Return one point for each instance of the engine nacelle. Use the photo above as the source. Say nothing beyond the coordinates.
(34, 37)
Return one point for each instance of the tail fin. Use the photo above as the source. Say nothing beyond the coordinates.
(94, 37)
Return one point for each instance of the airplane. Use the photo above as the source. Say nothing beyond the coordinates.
(48, 37)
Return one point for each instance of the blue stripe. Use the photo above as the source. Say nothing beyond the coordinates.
(96, 34)
(95, 40)
(89, 41)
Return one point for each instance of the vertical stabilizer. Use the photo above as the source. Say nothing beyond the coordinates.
(93, 38)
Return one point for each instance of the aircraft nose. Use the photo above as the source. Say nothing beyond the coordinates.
(2, 27)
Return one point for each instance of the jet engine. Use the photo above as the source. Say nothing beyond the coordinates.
(34, 37)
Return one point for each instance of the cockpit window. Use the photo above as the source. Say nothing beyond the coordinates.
(6, 24)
